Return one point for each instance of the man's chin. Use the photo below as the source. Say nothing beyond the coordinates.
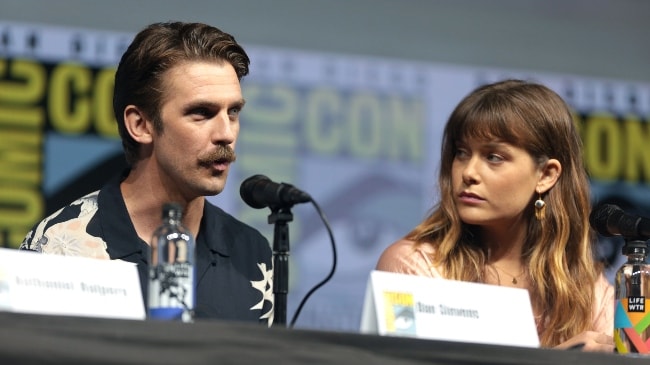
(213, 191)
(215, 187)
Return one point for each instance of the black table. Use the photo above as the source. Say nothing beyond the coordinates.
(40, 339)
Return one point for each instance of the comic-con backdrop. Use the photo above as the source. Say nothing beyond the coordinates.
(359, 134)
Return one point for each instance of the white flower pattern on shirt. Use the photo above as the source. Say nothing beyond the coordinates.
(68, 237)
(265, 287)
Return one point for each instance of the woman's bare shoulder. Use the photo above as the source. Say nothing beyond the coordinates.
(408, 257)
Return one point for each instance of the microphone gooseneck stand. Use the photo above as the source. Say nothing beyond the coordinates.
(280, 216)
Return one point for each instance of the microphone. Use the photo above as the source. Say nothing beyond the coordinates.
(258, 191)
(610, 220)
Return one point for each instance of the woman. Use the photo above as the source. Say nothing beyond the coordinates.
(513, 211)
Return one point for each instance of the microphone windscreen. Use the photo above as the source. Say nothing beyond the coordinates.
(601, 216)
(247, 190)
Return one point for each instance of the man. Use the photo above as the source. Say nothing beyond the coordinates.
(177, 101)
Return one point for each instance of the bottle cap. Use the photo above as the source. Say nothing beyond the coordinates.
(172, 210)
(635, 246)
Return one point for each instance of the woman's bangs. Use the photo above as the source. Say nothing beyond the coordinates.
(487, 126)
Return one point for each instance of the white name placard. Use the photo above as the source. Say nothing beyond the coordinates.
(422, 307)
(65, 285)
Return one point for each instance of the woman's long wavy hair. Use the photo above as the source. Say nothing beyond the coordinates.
(558, 251)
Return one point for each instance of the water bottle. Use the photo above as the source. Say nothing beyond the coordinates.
(171, 269)
(631, 320)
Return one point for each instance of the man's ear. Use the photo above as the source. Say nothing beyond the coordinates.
(550, 174)
(138, 125)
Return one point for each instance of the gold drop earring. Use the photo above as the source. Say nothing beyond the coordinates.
(540, 207)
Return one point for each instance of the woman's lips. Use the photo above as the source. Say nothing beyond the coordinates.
(469, 198)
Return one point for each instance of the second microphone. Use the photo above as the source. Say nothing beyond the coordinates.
(258, 191)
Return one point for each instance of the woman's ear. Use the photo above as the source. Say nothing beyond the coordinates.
(549, 175)
(137, 124)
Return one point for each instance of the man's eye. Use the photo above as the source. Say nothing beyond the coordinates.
(202, 112)
(234, 111)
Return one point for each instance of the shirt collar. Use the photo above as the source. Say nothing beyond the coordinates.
(119, 233)
(122, 239)
(213, 232)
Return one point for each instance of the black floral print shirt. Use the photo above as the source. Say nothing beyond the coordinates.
(234, 273)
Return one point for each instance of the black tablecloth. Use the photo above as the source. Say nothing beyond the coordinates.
(38, 339)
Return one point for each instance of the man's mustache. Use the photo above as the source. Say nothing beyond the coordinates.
(223, 153)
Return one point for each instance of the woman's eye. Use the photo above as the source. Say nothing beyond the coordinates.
(461, 153)
(492, 157)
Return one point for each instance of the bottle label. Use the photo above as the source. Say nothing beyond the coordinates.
(631, 326)
(636, 304)
(171, 292)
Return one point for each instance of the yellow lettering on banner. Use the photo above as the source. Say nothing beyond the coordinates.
(20, 157)
(365, 137)
(22, 88)
(21, 207)
(69, 98)
(577, 122)
(105, 123)
(602, 146)
(27, 85)
(21, 204)
(323, 133)
(22, 85)
(637, 153)
(21, 117)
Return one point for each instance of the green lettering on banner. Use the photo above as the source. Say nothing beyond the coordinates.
(365, 135)
(407, 131)
(323, 132)
(364, 125)
(268, 139)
